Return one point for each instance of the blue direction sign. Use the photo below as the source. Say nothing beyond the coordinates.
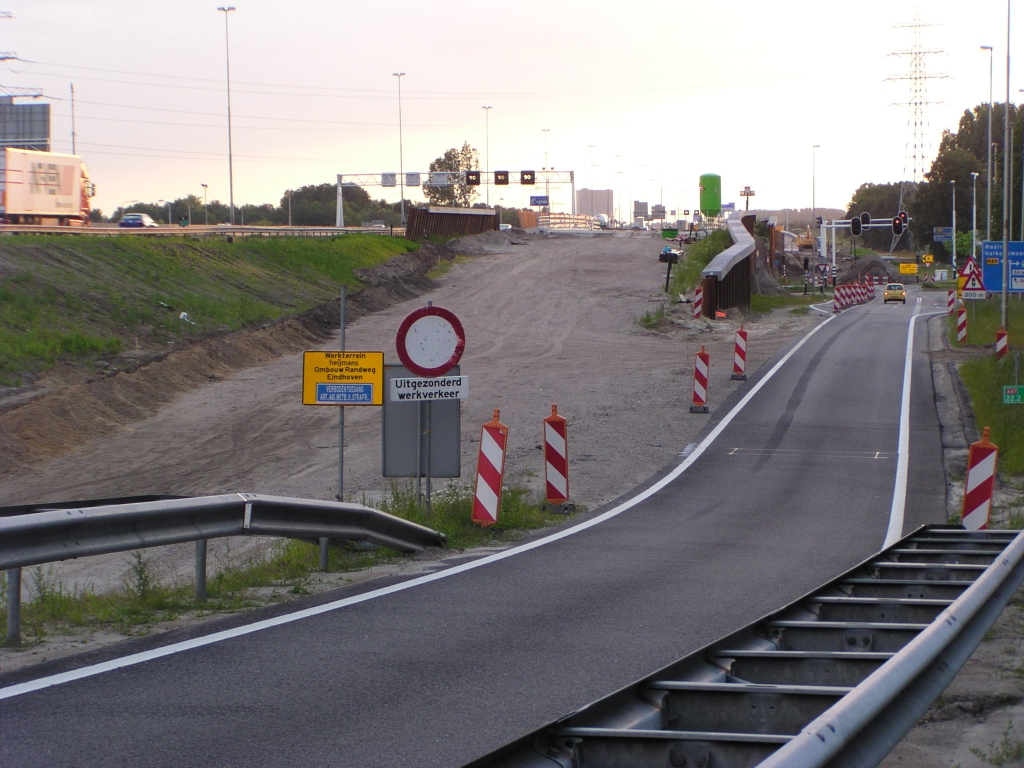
(942, 234)
(992, 266)
(539, 200)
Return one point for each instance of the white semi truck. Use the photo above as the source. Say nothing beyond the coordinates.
(44, 188)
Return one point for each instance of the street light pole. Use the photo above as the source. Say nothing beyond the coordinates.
(974, 217)
(953, 259)
(1007, 152)
(401, 158)
(487, 154)
(988, 161)
(547, 174)
(814, 190)
(227, 58)
(206, 210)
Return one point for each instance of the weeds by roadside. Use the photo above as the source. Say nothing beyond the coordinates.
(1008, 751)
(651, 320)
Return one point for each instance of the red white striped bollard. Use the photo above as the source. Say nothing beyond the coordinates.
(1002, 343)
(701, 365)
(951, 300)
(698, 302)
(556, 458)
(739, 358)
(981, 479)
(836, 306)
(961, 325)
(490, 471)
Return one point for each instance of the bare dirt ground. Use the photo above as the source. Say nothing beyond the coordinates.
(550, 320)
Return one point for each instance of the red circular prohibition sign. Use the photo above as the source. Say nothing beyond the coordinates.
(430, 341)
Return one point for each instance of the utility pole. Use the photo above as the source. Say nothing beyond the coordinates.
(988, 161)
(1007, 152)
(227, 58)
(401, 158)
(487, 153)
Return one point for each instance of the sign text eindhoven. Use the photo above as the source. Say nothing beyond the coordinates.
(343, 378)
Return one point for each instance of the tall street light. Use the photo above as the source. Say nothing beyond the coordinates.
(974, 217)
(487, 154)
(401, 159)
(814, 191)
(227, 57)
(988, 162)
(952, 183)
(1007, 152)
(205, 209)
(547, 174)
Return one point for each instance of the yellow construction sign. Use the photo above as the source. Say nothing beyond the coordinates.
(343, 378)
(908, 269)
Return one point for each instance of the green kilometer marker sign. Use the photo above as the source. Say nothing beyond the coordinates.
(1013, 395)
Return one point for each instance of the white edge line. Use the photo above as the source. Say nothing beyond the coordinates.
(138, 658)
(899, 493)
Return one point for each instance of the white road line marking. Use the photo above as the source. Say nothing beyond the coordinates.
(899, 493)
(186, 645)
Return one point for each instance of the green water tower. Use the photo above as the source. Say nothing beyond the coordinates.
(711, 194)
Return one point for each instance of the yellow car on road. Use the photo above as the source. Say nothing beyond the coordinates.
(894, 292)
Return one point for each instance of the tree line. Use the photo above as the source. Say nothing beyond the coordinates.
(315, 205)
(930, 202)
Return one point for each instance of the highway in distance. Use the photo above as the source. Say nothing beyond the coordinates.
(439, 670)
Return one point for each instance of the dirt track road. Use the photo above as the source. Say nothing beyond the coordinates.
(553, 320)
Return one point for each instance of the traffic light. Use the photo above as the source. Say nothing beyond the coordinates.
(820, 221)
(897, 225)
(905, 218)
(807, 263)
(500, 178)
(865, 219)
(855, 227)
(527, 177)
(473, 178)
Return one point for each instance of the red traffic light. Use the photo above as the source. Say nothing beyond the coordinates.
(897, 225)
(904, 217)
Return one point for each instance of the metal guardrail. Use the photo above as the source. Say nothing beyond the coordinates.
(200, 230)
(835, 678)
(51, 535)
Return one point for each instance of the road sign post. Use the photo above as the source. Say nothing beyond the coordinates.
(430, 342)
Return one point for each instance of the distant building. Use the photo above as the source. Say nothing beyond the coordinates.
(591, 202)
(24, 126)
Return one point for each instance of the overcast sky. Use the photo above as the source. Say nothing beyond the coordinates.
(662, 91)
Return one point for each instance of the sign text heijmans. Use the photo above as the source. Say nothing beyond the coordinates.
(342, 378)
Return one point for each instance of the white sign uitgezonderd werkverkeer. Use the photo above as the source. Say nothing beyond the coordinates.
(441, 388)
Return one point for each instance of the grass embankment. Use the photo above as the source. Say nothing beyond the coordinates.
(77, 298)
(686, 274)
(258, 580)
(760, 302)
(985, 377)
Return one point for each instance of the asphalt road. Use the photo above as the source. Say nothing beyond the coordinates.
(796, 488)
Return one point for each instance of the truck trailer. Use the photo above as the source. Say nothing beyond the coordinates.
(44, 188)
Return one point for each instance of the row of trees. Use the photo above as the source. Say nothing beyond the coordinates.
(315, 205)
(930, 203)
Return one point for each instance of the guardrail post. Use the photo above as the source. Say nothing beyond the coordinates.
(14, 606)
(323, 553)
(201, 570)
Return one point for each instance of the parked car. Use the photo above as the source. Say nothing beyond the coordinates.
(137, 220)
(894, 292)
(505, 227)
